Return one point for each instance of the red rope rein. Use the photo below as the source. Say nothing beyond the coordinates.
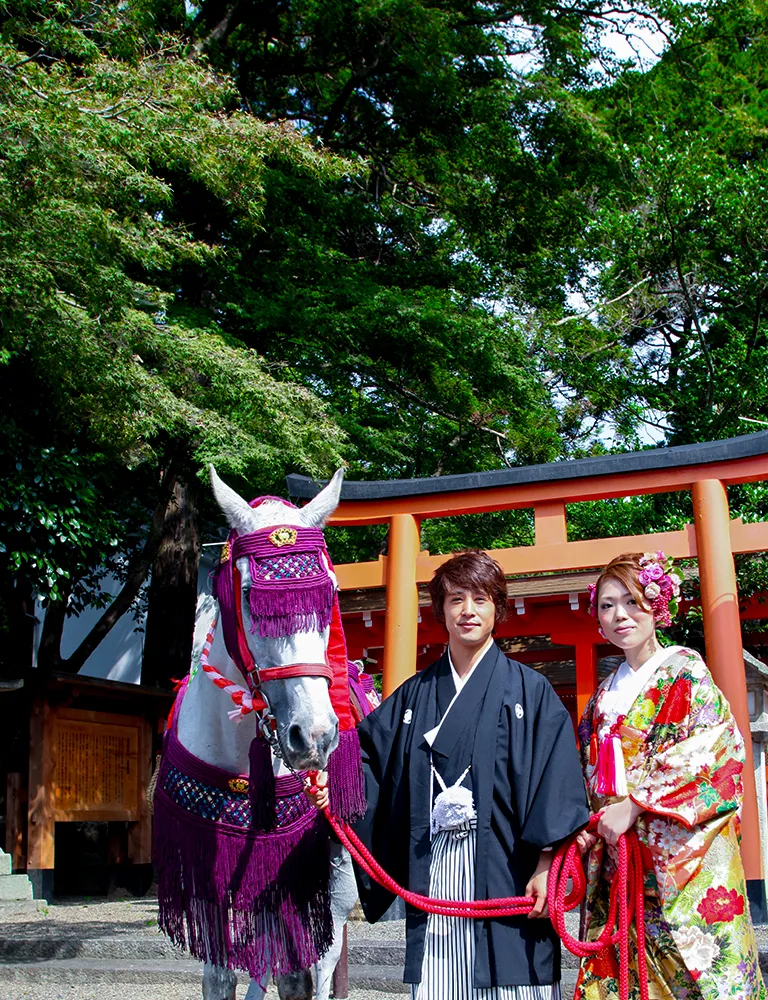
(626, 899)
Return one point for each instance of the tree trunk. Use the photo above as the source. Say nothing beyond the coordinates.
(17, 626)
(49, 651)
(173, 590)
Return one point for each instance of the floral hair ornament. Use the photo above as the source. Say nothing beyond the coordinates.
(660, 581)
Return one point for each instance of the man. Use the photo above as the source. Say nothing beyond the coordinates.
(472, 776)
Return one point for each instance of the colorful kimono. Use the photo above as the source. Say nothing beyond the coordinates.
(683, 757)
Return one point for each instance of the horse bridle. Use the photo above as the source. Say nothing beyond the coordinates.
(228, 592)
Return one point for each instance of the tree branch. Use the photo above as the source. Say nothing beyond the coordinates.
(410, 394)
(137, 574)
(691, 307)
(603, 305)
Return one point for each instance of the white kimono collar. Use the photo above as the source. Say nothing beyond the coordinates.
(459, 684)
(626, 684)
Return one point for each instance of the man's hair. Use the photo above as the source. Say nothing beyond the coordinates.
(472, 570)
(626, 569)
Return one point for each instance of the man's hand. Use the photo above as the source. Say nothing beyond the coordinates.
(319, 799)
(616, 819)
(585, 841)
(537, 886)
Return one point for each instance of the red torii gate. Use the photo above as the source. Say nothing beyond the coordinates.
(704, 469)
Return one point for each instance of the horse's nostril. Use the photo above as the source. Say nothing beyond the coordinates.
(296, 738)
(328, 738)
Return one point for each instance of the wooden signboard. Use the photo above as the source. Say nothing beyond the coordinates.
(96, 770)
(87, 765)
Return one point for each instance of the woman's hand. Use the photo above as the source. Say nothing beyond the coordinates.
(319, 798)
(537, 886)
(585, 841)
(616, 819)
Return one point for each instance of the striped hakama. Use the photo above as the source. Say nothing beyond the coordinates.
(449, 948)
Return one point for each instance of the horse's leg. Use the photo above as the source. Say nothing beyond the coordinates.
(343, 897)
(257, 989)
(295, 986)
(218, 983)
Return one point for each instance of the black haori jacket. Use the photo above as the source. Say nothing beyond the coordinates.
(528, 789)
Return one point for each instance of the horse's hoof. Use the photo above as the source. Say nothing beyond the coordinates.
(295, 986)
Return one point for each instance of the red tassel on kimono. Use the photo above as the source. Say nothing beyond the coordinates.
(611, 777)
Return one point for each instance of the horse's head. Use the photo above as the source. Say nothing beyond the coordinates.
(291, 631)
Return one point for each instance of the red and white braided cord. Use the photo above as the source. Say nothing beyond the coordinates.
(242, 697)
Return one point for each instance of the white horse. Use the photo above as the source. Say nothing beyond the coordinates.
(307, 727)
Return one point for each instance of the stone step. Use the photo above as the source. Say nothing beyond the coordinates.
(14, 887)
(22, 908)
(91, 971)
(378, 978)
(372, 951)
(43, 947)
(5, 864)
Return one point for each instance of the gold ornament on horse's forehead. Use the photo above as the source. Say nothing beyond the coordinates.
(283, 536)
(226, 552)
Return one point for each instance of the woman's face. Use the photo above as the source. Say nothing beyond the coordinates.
(624, 622)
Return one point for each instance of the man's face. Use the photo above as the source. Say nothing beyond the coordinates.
(469, 617)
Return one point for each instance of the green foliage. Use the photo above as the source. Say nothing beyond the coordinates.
(54, 521)
(102, 112)
(423, 236)
(397, 295)
(119, 148)
(497, 530)
(636, 515)
(675, 254)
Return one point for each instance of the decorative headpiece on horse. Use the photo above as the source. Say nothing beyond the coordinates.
(293, 589)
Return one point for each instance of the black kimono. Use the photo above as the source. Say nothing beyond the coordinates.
(528, 789)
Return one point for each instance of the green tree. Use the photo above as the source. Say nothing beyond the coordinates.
(401, 283)
(107, 125)
(675, 262)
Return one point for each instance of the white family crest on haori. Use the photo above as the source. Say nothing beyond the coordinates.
(245, 879)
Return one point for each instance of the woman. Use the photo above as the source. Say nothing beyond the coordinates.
(662, 752)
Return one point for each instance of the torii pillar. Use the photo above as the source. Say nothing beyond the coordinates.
(401, 620)
(722, 635)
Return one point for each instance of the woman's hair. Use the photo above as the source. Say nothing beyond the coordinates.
(626, 569)
(472, 570)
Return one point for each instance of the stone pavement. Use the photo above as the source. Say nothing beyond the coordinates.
(88, 949)
(95, 949)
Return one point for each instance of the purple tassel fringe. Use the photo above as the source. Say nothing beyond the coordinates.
(286, 609)
(346, 782)
(258, 902)
(261, 786)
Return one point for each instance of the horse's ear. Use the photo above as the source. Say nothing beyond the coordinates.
(319, 509)
(237, 511)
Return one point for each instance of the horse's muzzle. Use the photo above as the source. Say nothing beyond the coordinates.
(304, 751)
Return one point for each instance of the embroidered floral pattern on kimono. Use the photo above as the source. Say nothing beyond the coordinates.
(683, 756)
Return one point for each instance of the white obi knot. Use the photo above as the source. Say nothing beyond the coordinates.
(453, 806)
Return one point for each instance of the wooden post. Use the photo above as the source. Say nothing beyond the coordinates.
(550, 523)
(722, 635)
(140, 832)
(41, 825)
(14, 821)
(401, 618)
(586, 674)
(586, 663)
